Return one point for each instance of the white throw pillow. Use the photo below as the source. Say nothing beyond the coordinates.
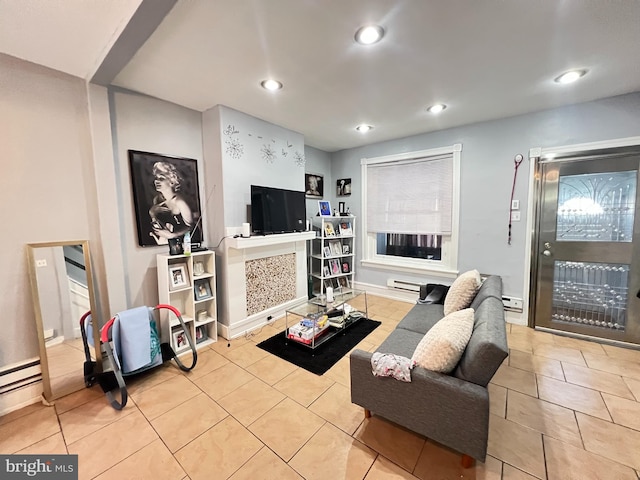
(462, 291)
(442, 346)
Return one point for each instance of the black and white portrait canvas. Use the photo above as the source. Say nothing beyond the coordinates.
(166, 197)
(314, 185)
(343, 187)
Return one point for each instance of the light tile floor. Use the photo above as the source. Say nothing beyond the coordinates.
(561, 408)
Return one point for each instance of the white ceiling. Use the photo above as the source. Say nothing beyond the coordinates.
(72, 36)
(485, 59)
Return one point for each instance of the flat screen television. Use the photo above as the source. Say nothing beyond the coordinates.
(276, 210)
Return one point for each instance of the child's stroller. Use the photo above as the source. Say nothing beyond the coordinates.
(132, 345)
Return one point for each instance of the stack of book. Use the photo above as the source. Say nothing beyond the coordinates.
(309, 328)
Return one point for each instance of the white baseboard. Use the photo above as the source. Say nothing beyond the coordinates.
(386, 292)
(412, 297)
(257, 320)
(20, 398)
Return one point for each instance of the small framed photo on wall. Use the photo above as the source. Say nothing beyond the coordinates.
(343, 187)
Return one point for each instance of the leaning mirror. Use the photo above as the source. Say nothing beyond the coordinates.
(62, 290)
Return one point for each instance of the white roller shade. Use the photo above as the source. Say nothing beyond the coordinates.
(412, 196)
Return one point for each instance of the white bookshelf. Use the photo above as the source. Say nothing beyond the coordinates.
(188, 283)
(327, 250)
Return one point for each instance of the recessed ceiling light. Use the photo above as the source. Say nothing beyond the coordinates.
(571, 76)
(363, 128)
(272, 85)
(437, 108)
(369, 34)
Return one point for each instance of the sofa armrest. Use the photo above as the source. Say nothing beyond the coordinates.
(441, 407)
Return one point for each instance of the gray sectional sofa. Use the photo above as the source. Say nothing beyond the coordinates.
(450, 409)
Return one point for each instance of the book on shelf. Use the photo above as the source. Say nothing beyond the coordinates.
(309, 328)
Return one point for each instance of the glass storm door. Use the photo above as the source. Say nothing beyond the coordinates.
(588, 273)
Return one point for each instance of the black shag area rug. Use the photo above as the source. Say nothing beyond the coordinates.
(325, 356)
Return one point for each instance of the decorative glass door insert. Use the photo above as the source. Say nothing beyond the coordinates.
(587, 261)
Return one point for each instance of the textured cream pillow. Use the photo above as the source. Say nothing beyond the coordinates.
(462, 291)
(442, 346)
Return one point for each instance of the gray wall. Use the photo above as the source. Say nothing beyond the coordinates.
(318, 161)
(487, 173)
(52, 168)
(150, 125)
(45, 186)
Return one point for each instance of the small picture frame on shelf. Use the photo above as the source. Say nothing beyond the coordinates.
(341, 208)
(328, 230)
(325, 271)
(179, 339)
(346, 268)
(178, 277)
(198, 268)
(344, 282)
(334, 266)
(202, 290)
(346, 249)
(201, 334)
(344, 227)
(324, 207)
(335, 247)
(326, 251)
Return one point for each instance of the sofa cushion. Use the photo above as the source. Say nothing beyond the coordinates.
(422, 317)
(462, 291)
(400, 342)
(442, 346)
(487, 347)
(491, 287)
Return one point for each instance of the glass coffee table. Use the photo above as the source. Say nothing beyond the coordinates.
(307, 326)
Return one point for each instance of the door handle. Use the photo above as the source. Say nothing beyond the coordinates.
(546, 253)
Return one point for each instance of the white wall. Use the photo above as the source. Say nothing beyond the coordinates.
(487, 173)
(46, 191)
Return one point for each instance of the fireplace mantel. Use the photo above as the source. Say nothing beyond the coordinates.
(235, 313)
(241, 243)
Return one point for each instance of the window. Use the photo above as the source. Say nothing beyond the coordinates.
(410, 205)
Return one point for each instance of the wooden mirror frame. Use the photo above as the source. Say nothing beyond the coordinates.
(48, 393)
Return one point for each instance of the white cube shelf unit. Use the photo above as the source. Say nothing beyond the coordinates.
(188, 283)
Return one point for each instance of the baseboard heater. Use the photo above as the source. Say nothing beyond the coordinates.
(19, 375)
(403, 285)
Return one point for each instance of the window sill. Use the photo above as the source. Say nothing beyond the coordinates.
(431, 270)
